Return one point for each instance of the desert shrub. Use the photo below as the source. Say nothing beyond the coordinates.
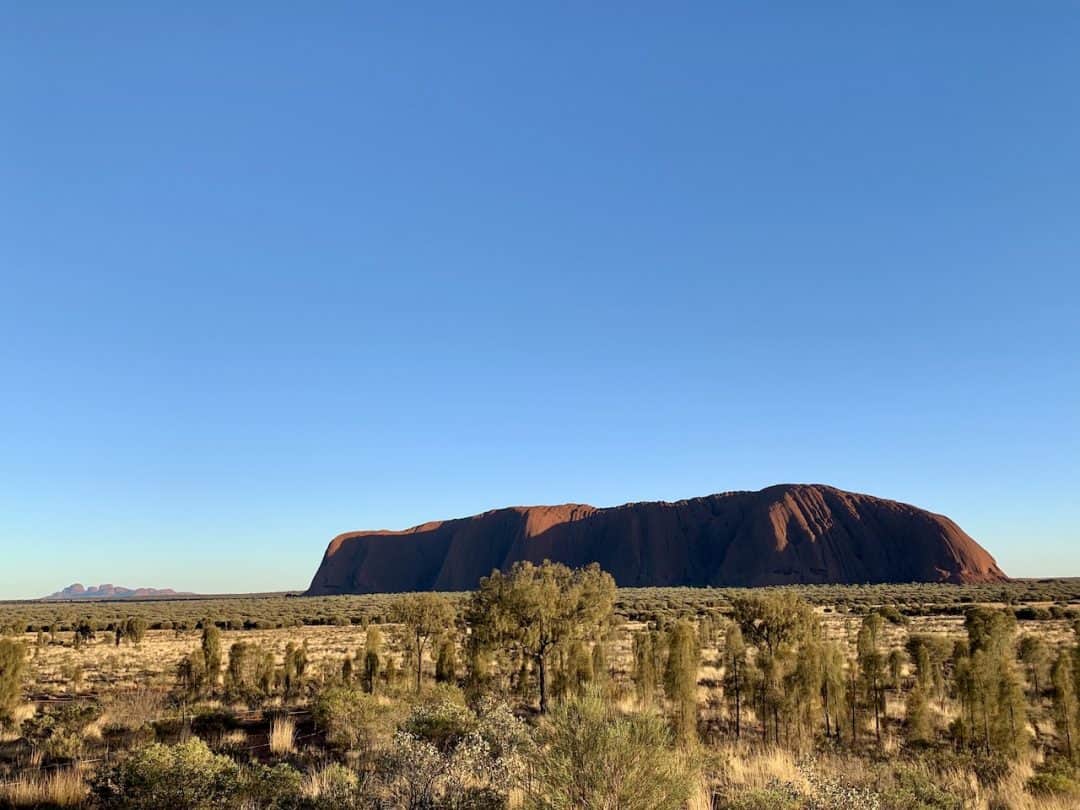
(445, 755)
(918, 788)
(135, 629)
(594, 757)
(990, 769)
(1029, 613)
(777, 796)
(443, 724)
(12, 667)
(335, 787)
(892, 615)
(168, 730)
(211, 652)
(1057, 777)
(57, 734)
(214, 722)
(346, 713)
(120, 735)
(446, 661)
(188, 776)
(276, 788)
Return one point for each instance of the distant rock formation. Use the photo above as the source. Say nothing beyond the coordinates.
(78, 591)
(785, 534)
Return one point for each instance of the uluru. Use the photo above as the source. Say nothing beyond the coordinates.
(786, 534)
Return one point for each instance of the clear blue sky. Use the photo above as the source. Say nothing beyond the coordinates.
(271, 273)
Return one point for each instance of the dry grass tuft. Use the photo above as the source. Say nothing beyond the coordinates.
(282, 735)
(23, 711)
(57, 789)
(759, 768)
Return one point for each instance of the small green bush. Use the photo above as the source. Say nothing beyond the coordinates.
(595, 757)
(779, 796)
(188, 776)
(1056, 778)
(346, 713)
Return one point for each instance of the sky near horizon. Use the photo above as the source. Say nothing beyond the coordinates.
(268, 274)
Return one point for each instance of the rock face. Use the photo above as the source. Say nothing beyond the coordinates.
(107, 591)
(785, 534)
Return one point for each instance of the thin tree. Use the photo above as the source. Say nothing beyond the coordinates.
(211, 650)
(645, 674)
(446, 661)
(1065, 702)
(871, 666)
(135, 629)
(1036, 659)
(12, 667)
(680, 679)
(734, 665)
(919, 727)
(372, 648)
(425, 615)
(832, 689)
(599, 663)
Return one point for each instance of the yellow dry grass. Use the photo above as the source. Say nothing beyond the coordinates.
(282, 735)
(100, 666)
(22, 712)
(753, 769)
(64, 788)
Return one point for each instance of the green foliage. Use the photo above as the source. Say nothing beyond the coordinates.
(56, 733)
(12, 670)
(279, 787)
(1056, 778)
(994, 716)
(191, 676)
(777, 796)
(918, 788)
(294, 669)
(446, 661)
(371, 670)
(646, 668)
(834, 693)
(443, 723)
(599, 663)
(213, 722)
(920, 730)
(346, 713)
(211, 652)
(540, 629)
(187, 776)
(339, 789)
(788, 670)
(237, 680)
(680, 680)
(84, 631)
(279, 610)
(892, 615)
(872, 667)
(1034, 654)
(135, 629)
(534, 608)
(425, 615)
(928, 654)
(595, 758)
(446, 755)
(1066, 706)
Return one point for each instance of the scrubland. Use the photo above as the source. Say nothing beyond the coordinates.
(548, 688)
